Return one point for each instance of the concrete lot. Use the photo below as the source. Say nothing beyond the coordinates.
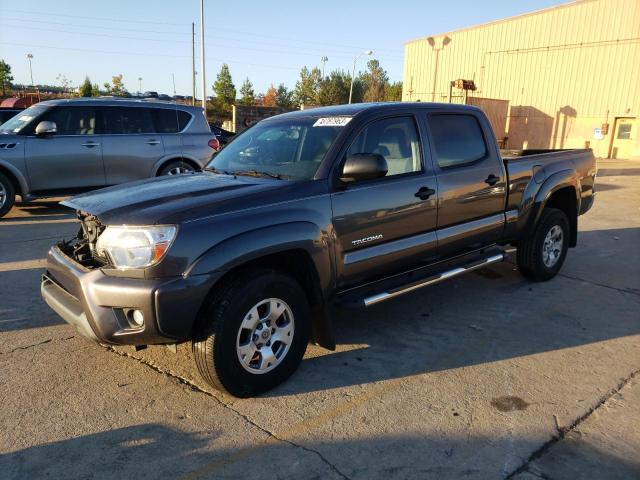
(486, 376)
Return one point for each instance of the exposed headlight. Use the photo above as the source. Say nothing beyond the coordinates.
(135, 247)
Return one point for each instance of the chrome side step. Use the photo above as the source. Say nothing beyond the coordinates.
(381, 297)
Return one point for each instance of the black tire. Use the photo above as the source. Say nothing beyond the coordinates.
(175, 165)
(530, 251)
(215, 343)
(7, 195)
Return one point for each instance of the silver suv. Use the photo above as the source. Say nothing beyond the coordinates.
(60, 147)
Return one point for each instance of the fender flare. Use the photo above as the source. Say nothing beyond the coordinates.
(251, 245)
(173, 156)
(22, 181)
(555, 182)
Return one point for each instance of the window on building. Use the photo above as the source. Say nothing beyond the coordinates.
(624, 131)
(396, 139)
(457, 139)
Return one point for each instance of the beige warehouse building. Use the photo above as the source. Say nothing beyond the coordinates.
(563, 77)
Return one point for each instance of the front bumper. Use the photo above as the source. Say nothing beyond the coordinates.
(96, 304)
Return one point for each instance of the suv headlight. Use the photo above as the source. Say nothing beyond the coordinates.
(135, 247)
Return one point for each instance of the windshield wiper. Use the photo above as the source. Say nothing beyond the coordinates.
(256, 173)
(216, 170)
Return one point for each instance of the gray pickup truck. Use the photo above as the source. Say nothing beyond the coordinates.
(335, 207)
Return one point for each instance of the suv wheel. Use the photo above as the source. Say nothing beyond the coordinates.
(7, 195)
(254, 334)
(540, 257)
(176, 167)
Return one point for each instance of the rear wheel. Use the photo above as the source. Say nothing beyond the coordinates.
(254, 334)
(7, 195)
(541, 256)
(176, 167)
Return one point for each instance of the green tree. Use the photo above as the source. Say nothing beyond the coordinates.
(95, 90)
(116, 87)
(306, 91)
(86, 89)
(247, 94)
(334, 89)
(224, 88)
(5, 76)
(393, 92)
(375, 80)
(284, 97)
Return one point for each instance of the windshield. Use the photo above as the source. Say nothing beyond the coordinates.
(17, 123)
(291, 149)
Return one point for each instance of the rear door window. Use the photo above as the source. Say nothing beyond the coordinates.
(127, 120)
(170, 120)
(457, 139)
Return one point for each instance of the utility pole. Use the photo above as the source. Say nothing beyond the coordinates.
(30, 56)
(193, 62)
(140, 85)
(203, 81)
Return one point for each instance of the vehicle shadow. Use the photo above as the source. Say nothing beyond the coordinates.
(159, 451)
(490, 315)
(40, 210)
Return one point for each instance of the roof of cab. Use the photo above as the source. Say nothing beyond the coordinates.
(357, 108)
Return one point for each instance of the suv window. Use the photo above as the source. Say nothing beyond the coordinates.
(72, 120)
(170, 120)
(127, 120)
(457, 139)
(396, 139)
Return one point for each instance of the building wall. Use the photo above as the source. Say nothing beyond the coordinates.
(564, 71)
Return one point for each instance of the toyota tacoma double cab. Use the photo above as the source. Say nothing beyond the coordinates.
(334, 207)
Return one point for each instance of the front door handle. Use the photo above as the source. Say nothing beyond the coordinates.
(491, 180)
(153, 142)
(424, 193)
(90, 144)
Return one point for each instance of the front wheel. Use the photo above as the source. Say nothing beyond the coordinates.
(254, 334)
(541, 256)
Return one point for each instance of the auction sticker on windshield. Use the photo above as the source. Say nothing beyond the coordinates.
(332, 122)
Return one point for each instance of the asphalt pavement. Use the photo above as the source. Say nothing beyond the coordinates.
(484, 376)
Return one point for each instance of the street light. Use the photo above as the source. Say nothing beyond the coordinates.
(355, 60)
(445, 41)
(139, 84)
(30, 56)
(324, 59)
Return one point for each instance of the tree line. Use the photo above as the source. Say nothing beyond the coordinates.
(312, 88)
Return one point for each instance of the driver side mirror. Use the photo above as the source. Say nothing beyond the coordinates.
(46, 128)
(363, 166)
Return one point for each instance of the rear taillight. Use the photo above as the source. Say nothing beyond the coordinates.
(215, 144)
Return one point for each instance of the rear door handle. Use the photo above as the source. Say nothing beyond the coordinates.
(492, 179)
(91, 144)
(153, 142)
(424, 193)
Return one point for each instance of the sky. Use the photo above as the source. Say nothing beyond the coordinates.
(268, 41)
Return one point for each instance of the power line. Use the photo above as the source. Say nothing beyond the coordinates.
(231, 30)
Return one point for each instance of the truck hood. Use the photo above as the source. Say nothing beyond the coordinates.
(170, 199)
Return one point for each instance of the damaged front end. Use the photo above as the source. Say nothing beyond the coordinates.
(82, 248)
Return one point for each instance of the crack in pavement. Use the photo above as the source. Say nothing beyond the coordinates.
(623, 290)
(27, 347)
(563, 431)
(240, 454)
